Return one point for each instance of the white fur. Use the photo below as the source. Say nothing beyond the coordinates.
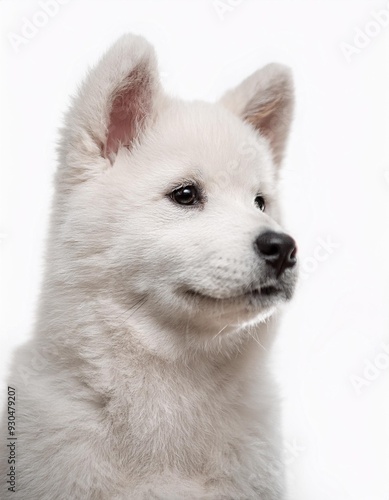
(130, 388)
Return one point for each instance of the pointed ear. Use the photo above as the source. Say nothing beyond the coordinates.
(265, 100)
(114, 106)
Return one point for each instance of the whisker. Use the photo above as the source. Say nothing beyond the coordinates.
(138, 304)
(256, 340)
(224, 327)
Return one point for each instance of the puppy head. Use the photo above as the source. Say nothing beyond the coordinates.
(172, 207)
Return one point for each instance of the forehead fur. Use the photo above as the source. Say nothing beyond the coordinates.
(205, 140)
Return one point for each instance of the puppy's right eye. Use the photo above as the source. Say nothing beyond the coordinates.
(186, 195)
(260, 202)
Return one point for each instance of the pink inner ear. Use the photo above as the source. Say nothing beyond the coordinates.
(121, 129)
(130, 106)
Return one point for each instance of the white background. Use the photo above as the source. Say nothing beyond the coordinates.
(336, 190)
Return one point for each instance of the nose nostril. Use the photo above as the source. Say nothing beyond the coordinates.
(293, 253)
(272, 249)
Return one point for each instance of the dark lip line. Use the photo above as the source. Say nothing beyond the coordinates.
(266, 291)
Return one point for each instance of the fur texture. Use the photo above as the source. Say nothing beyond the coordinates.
(147, 375)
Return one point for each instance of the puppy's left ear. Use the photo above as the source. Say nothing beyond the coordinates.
(266, 100)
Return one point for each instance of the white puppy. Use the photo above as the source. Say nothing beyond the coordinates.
(147, 376)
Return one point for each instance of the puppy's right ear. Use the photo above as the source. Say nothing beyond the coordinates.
(114, 106)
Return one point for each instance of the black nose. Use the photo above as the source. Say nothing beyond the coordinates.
(278, 249)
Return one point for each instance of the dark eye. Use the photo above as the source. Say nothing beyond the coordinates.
(260, 202)
(186, 195)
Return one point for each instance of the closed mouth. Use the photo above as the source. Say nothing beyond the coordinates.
(264, 291)
(267, 291)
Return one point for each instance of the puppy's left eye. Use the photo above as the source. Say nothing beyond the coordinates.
(260, 202)
(186, 195)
